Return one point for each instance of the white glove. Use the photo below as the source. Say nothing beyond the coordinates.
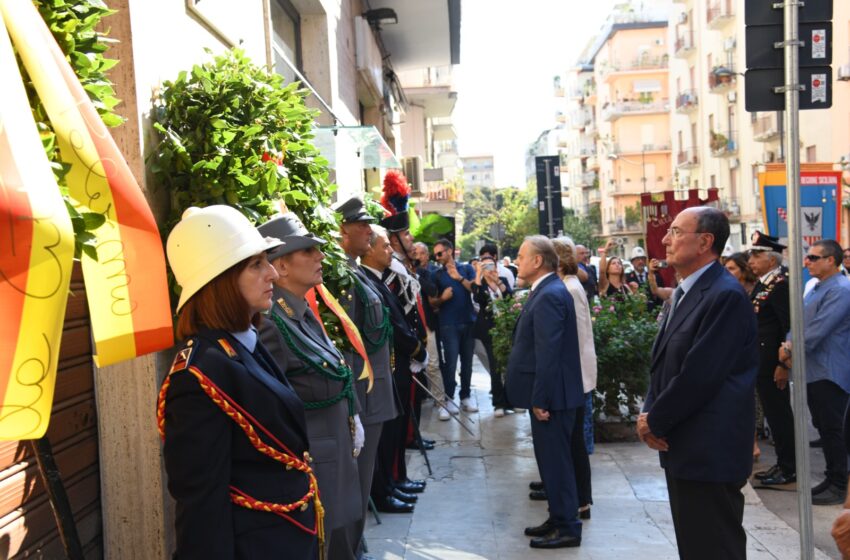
(359, 435)
(416, 367)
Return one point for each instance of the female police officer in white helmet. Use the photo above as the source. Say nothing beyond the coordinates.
(235, 441)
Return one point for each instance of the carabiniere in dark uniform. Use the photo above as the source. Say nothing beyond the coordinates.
(320, 376)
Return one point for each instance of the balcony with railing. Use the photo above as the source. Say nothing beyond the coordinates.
(621, 225)
(766, 128)
(580, 118)
(635, 149)
(719, 12)
(722, 78)
(642, 63)
(688, 158)
(560, 117)
(723, 144)
(730, 206)
(614, 111)
(444, 193)
(684, 44)
(586, 180)
(687, 101)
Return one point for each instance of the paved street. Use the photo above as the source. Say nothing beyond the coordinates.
(476, 504)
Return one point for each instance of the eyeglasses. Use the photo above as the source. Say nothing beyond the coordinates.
(676, 232)
(813, 258)
(438, 254)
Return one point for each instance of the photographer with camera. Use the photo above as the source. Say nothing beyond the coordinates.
(640, 277)
(490, 285)
(612, 274)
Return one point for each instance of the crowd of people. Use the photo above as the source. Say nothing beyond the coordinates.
(276, 436)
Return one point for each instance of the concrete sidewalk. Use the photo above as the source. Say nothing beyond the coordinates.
(476, 504)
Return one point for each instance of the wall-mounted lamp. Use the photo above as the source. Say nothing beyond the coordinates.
(381, 16)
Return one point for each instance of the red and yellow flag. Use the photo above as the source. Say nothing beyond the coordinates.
(36, 255)
(127, 287)
(348, 326)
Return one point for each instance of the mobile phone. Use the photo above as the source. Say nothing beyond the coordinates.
(489, 266)
(662, 264)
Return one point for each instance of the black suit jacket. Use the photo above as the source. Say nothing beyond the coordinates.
(701, 395)
(406, 342)
(206, 452)
(774, 321)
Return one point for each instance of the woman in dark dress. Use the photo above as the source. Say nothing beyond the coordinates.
(488, 286)
(235, 439)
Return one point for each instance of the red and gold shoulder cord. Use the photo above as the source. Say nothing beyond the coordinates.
(245, 421)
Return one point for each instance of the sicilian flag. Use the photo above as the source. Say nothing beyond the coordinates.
(127, 287)
(36, 255)
(351, 331)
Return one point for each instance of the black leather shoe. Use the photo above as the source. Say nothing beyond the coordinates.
(821, 486)
(425, 444)
(831, 496)
(540, 530)
(404, 496)
(410, 487)
(535, 485)
(769, 473)
(555, 539)
(779, 478)
(816, 443)
(537, 495)
(393, 505)
(584, 513)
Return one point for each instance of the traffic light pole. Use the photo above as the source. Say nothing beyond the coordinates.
(792, 88)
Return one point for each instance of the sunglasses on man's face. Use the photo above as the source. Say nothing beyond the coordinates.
(438, 254)
(813, 258)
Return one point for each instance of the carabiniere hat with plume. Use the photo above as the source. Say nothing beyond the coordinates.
(395, 201)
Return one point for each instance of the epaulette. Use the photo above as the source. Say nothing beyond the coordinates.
(228, 349)
(183, 358)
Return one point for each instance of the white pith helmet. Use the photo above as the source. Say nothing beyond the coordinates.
(638, 253)
(208, 241)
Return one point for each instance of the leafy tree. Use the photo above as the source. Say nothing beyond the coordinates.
(580, 229)
(502, 216)
(633, 214)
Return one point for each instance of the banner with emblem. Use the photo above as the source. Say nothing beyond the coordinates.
(36, 255)
(820, 202)
(129, 307)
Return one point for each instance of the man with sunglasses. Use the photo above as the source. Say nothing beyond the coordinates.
(826, 320)
(456, 317)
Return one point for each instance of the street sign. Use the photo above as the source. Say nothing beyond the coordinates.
(762, 12)
(815, 51)
(760, 93)
(550, 212)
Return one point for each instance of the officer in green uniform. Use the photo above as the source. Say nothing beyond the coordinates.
(317, 370)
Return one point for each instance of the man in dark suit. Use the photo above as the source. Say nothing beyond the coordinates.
(700, 411)
(773, 309)
(549, 385)
(589, 279)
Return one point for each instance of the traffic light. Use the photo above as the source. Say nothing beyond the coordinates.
(765, 34)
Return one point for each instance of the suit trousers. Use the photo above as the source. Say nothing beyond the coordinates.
(435, 375)
(581, 460)
(777, 409)
(346, 544)
(552, 445)
(708, 519)
(827, 403)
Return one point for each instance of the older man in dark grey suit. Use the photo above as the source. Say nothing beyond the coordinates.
(699, 412)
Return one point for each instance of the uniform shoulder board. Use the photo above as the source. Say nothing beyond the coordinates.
(228, 349)
(183, 358)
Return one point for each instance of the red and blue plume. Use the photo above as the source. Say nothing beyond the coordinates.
(396, 192)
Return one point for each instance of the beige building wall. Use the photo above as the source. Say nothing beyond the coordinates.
(633, 117)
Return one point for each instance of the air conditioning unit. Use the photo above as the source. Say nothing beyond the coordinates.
(729, 44)
(732, 96)
(683, 17)
(412, 167)
(844, 73)
(769, 157)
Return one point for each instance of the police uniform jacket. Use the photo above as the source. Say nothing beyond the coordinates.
(328, 427)
(379, 404)
(772, 305)
(206, 453)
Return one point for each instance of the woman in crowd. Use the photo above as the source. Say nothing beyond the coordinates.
(317, 370)
(583, 429)
(489, 286)
(612, 277)
(235, 438)
(737, 266)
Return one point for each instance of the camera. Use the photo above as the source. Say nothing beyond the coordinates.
(662, 264)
